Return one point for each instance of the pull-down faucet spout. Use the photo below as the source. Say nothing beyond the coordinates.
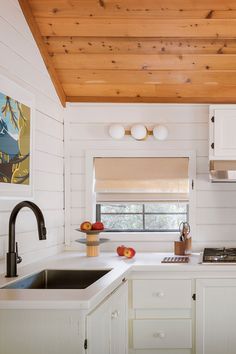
(12, 255)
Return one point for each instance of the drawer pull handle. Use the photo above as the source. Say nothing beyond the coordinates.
(159, 335)
(115, 314)
(158, 294)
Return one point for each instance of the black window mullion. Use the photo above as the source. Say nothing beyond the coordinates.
(98, 212)
(144, 217)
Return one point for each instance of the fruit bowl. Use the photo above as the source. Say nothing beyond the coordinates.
(91, 232)
(92, 241)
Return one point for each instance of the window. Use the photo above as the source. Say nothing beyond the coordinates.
(142, 217)
(141, 194)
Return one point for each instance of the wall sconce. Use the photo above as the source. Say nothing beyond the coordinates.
(138, 132)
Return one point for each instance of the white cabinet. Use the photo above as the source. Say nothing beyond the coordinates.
(222, 133)
(162, 316)
(107, 330)
(215, 316)
(164, 333)
(162, 293)
(41, 331)
(59, 331)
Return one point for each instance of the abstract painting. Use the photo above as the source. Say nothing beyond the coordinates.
(15, 125)
(17, 113)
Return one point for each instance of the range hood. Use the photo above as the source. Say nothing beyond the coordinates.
(223, 171)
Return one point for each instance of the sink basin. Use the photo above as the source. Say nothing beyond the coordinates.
(58, 279)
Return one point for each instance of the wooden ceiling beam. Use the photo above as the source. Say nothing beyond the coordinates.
(43, 49)
(187, 28)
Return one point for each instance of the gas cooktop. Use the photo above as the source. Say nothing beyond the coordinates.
(219, 255)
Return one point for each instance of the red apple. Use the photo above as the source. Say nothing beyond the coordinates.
(120, 250)
(129, 252)
(86, 226)
(98, 226)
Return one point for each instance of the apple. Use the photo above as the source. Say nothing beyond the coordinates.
(98, 226)
(86, 226)
(129, 252)
(120, 250)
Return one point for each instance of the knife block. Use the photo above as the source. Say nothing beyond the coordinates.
(182, 246)
(188, 244)
(179, 248)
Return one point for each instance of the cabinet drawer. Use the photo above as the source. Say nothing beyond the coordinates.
(162, 293)
(150, 334)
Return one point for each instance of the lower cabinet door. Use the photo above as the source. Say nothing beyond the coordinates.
(119, 321)
(107, 331)
(98, 330)
(43, 331)
(160, 334)
(216, 316)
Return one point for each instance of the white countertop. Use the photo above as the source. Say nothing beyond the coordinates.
(90, 297)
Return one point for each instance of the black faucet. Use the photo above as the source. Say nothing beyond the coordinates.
(12, 256)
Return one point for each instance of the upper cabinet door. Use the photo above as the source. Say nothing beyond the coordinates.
(224, 133)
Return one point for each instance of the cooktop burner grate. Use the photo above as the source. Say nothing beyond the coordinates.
(219, 255)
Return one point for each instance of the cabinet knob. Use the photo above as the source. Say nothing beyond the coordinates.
(115, 314)
(158, 294)
(159, 335)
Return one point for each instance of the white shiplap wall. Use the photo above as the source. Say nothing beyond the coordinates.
(21, 62)
(87, 128)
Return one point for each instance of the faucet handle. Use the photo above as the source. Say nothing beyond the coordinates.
(18, 258)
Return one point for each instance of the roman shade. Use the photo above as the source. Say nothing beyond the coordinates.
(141, 179)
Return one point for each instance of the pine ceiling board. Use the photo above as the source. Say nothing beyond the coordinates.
(220, 91)
(44, 7)
(132, 28)
(43, 50)
(83, 9)
(106, 45)
(146, 77)
(138, 50)
(145, 62)
(124, 99)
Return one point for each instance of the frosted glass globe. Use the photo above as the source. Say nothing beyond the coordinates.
(117, 131)
(160, 132)
(139, 131)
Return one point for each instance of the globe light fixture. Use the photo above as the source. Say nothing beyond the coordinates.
(160, 132)
(139, 132)
(117, 131)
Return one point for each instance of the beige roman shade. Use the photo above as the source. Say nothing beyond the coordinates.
(141, 179)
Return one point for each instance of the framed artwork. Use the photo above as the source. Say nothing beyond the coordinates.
(16, 141)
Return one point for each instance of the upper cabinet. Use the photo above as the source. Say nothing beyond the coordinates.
(222, 142)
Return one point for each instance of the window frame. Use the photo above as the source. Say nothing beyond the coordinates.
(90, 195)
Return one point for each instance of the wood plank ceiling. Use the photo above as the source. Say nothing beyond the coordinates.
(137, 50)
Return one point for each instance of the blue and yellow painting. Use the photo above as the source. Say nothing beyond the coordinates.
(14, 141)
